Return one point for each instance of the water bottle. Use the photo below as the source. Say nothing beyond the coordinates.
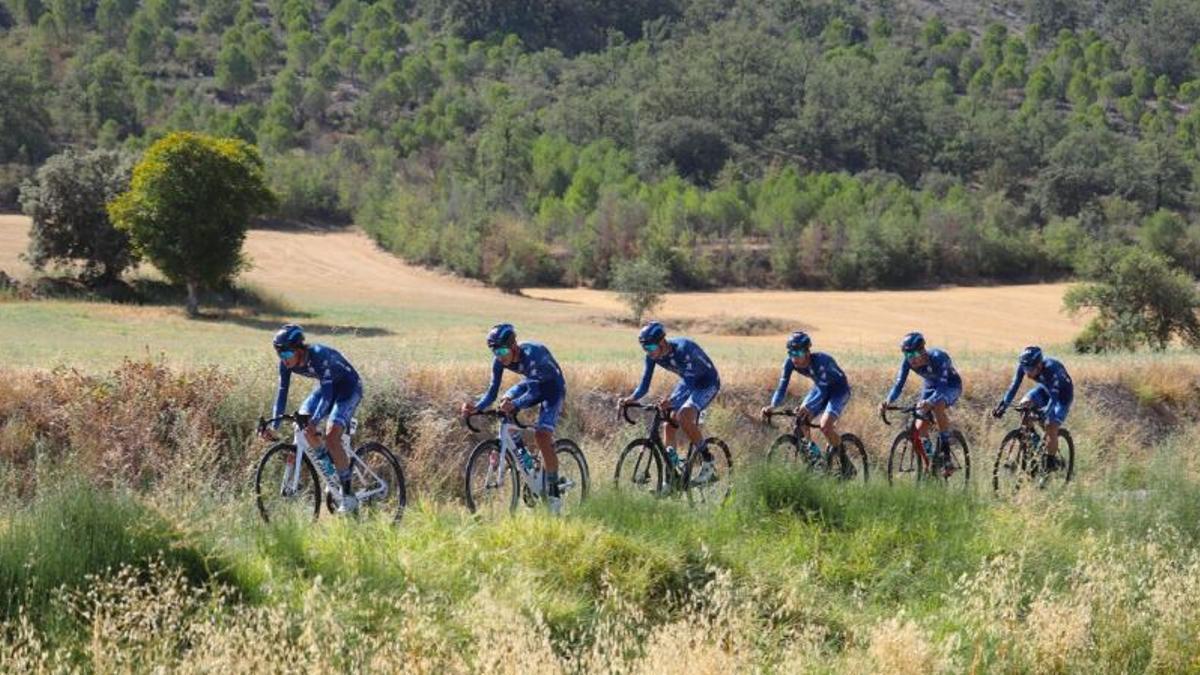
(1035, 441)
(325, 462)
(814, 451)
(673, 457)
(523, 454)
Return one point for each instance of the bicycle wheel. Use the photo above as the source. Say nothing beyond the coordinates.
(378, 481)
(489, 480)
(960, 469)
(573, 477)
(785, 451)
(640, 468)
(904, 464)
(1066, 456)
(851, 463)
(281, 493)
(1014, 464)
(709, 485)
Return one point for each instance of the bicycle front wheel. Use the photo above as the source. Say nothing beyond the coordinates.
(573, 477)
(708, 475)
(785, 451)
(639, 468)
(851, 463)
(904, 464)
(284, 489)
(1014, 464)
(959, 468)
(378, 481)
(489, 480)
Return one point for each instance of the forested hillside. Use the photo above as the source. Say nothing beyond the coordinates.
(792, 143)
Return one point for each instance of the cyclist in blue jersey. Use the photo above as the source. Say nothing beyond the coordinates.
(940, 392)
(1053, 394)
(698, 386)
(830, 391)
(336, 396)
(543, 386)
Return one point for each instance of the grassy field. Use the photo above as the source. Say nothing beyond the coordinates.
(129, 541)
(375, 307)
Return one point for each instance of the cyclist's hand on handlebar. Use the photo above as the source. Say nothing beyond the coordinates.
(467, 409)
(763, 413)
(506, 406)
(267, 434)
(883, 406)
(998, 411)
(665, 406)
(623, 401)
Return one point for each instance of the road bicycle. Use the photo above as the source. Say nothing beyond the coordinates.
(643, 464)
(502, 472)
(1021, 459)
(287, 483)
(915, 456)
(847, 463)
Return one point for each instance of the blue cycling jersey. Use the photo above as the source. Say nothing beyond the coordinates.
(938, 372)
(538, 366)
(827, 377)
(338, 379)
(1054, 378)
(688, 361)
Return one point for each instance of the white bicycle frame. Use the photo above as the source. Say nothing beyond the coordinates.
(291, 476)
(531, 478)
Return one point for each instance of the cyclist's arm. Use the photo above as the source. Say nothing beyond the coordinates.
(647, 376)
(1016, 384)
(901, 378)
(285, 381)
(784, 378)
(493, 388)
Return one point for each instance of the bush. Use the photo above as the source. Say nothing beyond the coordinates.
(66, 200)
(641, 284)
(1139, 299)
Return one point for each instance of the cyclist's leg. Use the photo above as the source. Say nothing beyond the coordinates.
(1056, 414)
(340, 415)
(679, 395)
(814, 402)
(689, 416)
(834, 407)
(548, 413)
(312, 402)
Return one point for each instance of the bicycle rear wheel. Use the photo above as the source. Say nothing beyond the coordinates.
(709, 485)
(378, 481)
(573, 476)
(280, 493)
(489, 480)
(639, 468)
(850, 464)
(960, 470)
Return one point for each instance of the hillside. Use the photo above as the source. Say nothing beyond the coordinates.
(832, 144)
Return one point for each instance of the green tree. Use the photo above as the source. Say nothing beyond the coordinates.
(190, 201)
(25, 128)
(1139, 299)
(234, 69)
(66, 200)
(640, 285)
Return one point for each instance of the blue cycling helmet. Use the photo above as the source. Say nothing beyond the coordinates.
(912, 342)
(500, 334)
(1030, 357)
(651, 332)
(290, 336)
(799, 340)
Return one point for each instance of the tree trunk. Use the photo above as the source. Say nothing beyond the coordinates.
(193, 299)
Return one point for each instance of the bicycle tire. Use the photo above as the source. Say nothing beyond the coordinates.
(640, 468)
(717, 491)
(903, 459)
(395, 495)
(476, 489)
(1012, 462)
(786, 451)
(275, 456)
(569, 453)
(856, 453)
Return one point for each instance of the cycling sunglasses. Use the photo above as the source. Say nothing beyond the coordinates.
(650, 347)
(285, 354)
(797, 353)
(911, 355)
(501, 351)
